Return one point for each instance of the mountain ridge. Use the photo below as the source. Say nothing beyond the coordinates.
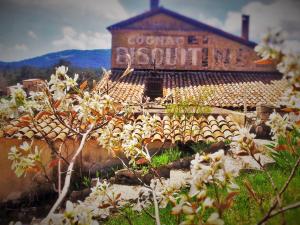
(93, 59)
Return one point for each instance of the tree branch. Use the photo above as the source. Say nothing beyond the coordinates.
(280, 211)
(269, 213)
(69, 173)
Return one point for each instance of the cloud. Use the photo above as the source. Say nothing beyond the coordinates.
(293, 46)
(31, 34)
(21, 47)
(212, 21)
(279, 13)
(111, 9)
(71, 39)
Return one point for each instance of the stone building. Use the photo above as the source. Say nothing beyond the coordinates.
(28, 85)
(190, 58)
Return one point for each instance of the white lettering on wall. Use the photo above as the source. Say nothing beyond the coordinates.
(121, 55)
(142, 56)
(183, 56)
(171, 56)
(155, 40)
(157, 56)
(173, 51)
(194, 53)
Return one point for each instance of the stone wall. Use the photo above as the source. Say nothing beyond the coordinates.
(183, 49)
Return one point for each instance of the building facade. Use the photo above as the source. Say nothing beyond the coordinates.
(190, 59)
(175, 42)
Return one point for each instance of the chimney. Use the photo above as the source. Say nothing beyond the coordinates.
(245, 26)
(154, 4)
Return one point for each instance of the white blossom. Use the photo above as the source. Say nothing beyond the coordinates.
(214, 219)
(278, 124)
(23, 158)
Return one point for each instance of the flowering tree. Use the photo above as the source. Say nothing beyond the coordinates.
(97, 112)
(77, 109)
(284, 128)
(205, 170)
(94, 111)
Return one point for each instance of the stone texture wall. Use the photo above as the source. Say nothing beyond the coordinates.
(152, 39)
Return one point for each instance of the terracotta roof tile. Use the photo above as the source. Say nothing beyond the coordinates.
(207, 128)
(222, 89)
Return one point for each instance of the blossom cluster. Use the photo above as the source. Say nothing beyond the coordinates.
(278, 124)
(24, 158)
(245, 140)
(271, 44)
(73, 214)
(205, 170)
(101, 203)
(131, 137)
(272, 47)
(91, 106)
(289, 66)
(60, 83)
(16, 104)
(104, 200)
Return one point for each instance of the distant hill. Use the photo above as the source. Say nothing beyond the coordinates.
(93, 59)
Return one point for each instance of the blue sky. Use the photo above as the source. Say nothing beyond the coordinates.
(34, 27)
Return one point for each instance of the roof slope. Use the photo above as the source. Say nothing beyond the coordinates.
(211, 128)
(223, 89)
(198, 25)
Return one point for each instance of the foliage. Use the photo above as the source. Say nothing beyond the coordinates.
(86, 181)
(168, 155)
(78, 110)
(287, 152)
(205, 170)
(189, 106)
(200, 146)
(210, 191)
(244, 210)
(13, 76)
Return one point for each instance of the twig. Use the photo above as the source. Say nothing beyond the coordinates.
(157, 218)
(126, 217)
(49, 142)
(269, 213)
(282, 210)
(148, 213)
(278, 199)
(286, 208)
(292, 174)
(69, 173)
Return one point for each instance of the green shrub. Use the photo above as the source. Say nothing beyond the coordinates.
(199, 147)
(169, 155)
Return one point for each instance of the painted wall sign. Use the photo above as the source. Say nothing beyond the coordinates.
(188, 50)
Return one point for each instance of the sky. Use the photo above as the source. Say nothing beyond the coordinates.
(31, 28)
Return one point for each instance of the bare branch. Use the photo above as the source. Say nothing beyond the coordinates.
(69, 173)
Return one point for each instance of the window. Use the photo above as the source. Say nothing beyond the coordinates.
(239, 56)
(218, 55)
(205, 40)
(227, 56)
(153, 88)
(192, 40)
(204, 57)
